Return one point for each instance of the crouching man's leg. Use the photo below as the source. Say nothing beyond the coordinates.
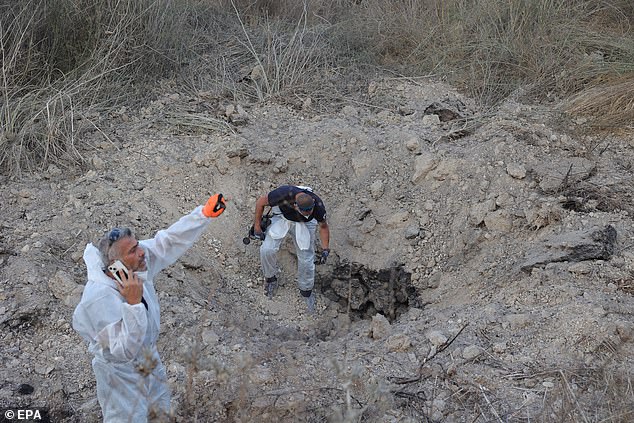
(306, 269)
(268, 259)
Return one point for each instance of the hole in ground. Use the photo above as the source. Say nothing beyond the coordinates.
(367, 292)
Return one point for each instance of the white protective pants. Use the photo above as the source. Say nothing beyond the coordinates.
(128, 397)
(305, 258)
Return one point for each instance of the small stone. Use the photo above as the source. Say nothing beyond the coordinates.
(44, 369)
(580, 268)
(498, 220)
(516, 170)
(412, 232)
(398, 342)
(471, 352)
(430, 120)
(349, 111)
(499, 347)
(98, 163)
(434, 280)
(437, 338)
(368, 224)
(376, 189)
(412, 143)
(423, 164)
(380, 327)
(62, 284)
(518, 320)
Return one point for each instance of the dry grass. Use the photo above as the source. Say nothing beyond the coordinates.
(603, 394)
(285, 57)
(607, 104)
(492, 47)
(315, 11)
(586, 197)
(66, 60)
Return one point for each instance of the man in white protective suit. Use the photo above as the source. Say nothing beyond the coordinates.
(119, 314)
(296, 210)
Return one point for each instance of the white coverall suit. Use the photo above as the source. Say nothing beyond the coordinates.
(303, 234)
(122, 336)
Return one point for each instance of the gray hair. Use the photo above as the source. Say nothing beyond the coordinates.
(107, 241)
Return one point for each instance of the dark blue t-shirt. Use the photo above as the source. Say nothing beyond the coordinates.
(284, 198)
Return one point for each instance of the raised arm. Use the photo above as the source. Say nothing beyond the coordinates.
(171, 243)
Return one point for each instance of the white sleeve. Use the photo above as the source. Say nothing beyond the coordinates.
(114, 325)
(171, 243)
(125, 338)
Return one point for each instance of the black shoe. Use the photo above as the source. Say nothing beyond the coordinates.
(270, 288)
(310, 302)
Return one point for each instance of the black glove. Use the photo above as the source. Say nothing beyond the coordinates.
(324, 256)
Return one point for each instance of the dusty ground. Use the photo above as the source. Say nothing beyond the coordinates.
(499, 246)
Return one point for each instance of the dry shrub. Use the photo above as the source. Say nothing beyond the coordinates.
(62, 60)
(36, 129)
(492, 47)
(604, 394)
(606, 103)
(257, 55)
(614, 197)
(626, 285)
(246, 390)
(316, 11)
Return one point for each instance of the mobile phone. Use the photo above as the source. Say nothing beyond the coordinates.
(116, 267)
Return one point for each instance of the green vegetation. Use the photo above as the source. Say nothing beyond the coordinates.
(66, 62)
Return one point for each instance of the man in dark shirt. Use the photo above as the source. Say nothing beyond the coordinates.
(297, 210)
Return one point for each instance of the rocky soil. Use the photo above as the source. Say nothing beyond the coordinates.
(481, 269)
